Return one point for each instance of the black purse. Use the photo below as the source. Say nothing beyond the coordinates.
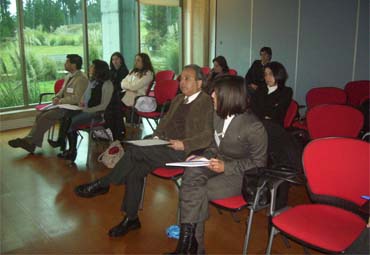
(261, 179)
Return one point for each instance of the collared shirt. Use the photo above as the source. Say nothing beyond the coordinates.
(227, 122)
(192, 97)
(271, 89)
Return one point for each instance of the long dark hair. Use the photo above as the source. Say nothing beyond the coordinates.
(147, 64)
(221, 60)
(119, 55)
(231, 93)
(101, 72)
(279, 72)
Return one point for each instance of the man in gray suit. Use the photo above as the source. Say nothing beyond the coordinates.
(187, 126)
(75, 84)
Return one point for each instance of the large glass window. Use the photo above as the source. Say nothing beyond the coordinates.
(94, 29)
(52, 29)
(160, 34)
(11, 89)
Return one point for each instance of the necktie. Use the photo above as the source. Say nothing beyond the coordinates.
(186, 100)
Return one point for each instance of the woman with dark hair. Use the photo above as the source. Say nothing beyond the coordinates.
(240, 144)
(114, 114)
(271, 101)
(219, 69)
(95, 99)
(137, 81)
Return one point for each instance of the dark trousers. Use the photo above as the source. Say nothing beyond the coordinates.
(132, 168)
(114, 116)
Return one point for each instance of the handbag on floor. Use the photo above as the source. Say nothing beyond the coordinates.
(112, 155)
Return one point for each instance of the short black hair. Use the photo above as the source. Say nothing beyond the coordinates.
(279, 72)
(101, 70)
(267, 50)
(231, 93)
(75, 59)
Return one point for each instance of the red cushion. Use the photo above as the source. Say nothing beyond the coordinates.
(234, 203)
(168, 173)
(87, 126)
(300, 124)
(323, 226)
(39, 106)
(152, 115)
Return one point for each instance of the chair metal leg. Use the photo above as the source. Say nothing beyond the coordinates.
(141, 206)
(274, 231)
(248, 232)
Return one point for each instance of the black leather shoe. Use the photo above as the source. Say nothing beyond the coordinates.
(22, 143)
(124, 227)
(56, 144)
(91, 189)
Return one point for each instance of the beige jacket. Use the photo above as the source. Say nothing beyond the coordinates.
(135, 86)
(73, 88)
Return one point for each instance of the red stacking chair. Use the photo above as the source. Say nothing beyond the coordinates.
(334, 120)
(321, 95)
(337, 172)
(160, 76)
(164, 92)
(233, 72)
(57, 87)
(356, 92)
(97, 123)
(290, 114)
(206, 70)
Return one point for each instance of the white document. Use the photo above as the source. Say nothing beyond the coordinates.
(48, 107)
(191, 163)
(63, 106)
(70, 107)
(148, 142)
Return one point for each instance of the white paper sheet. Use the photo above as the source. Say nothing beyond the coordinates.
(148, 142)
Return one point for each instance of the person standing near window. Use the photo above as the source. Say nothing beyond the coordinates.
(255, 75)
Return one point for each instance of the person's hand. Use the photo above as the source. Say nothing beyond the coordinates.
(82, 104)
(194, 158)
(177, 145)
(56, 100)
(253, 86)
(216, 165)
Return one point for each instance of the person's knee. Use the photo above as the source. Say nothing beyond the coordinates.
(194, 178)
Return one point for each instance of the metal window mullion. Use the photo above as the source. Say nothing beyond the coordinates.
(22, 53)
(85, 35)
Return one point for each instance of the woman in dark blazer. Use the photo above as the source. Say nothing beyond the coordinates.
(271, 102)
(240, 144)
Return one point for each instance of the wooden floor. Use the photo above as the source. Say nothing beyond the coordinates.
(41, 215)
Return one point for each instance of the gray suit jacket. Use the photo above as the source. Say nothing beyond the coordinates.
(244, 145)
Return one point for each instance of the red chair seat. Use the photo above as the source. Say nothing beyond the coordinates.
(232, 203)
(151, 115)
(168, 173)
(324, 226)
(301, 124)
(40, 106)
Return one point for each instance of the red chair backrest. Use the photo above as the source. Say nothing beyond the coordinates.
(338, 167)
(290, 114)
(206, 70)
(233, 72)
(164, 75)
(325, 95)
(356, 91)
(165, 90)
(58, 85)
(334, 120)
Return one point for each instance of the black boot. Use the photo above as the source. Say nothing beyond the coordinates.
(187, 243)
(71, 153)
(61, 142)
